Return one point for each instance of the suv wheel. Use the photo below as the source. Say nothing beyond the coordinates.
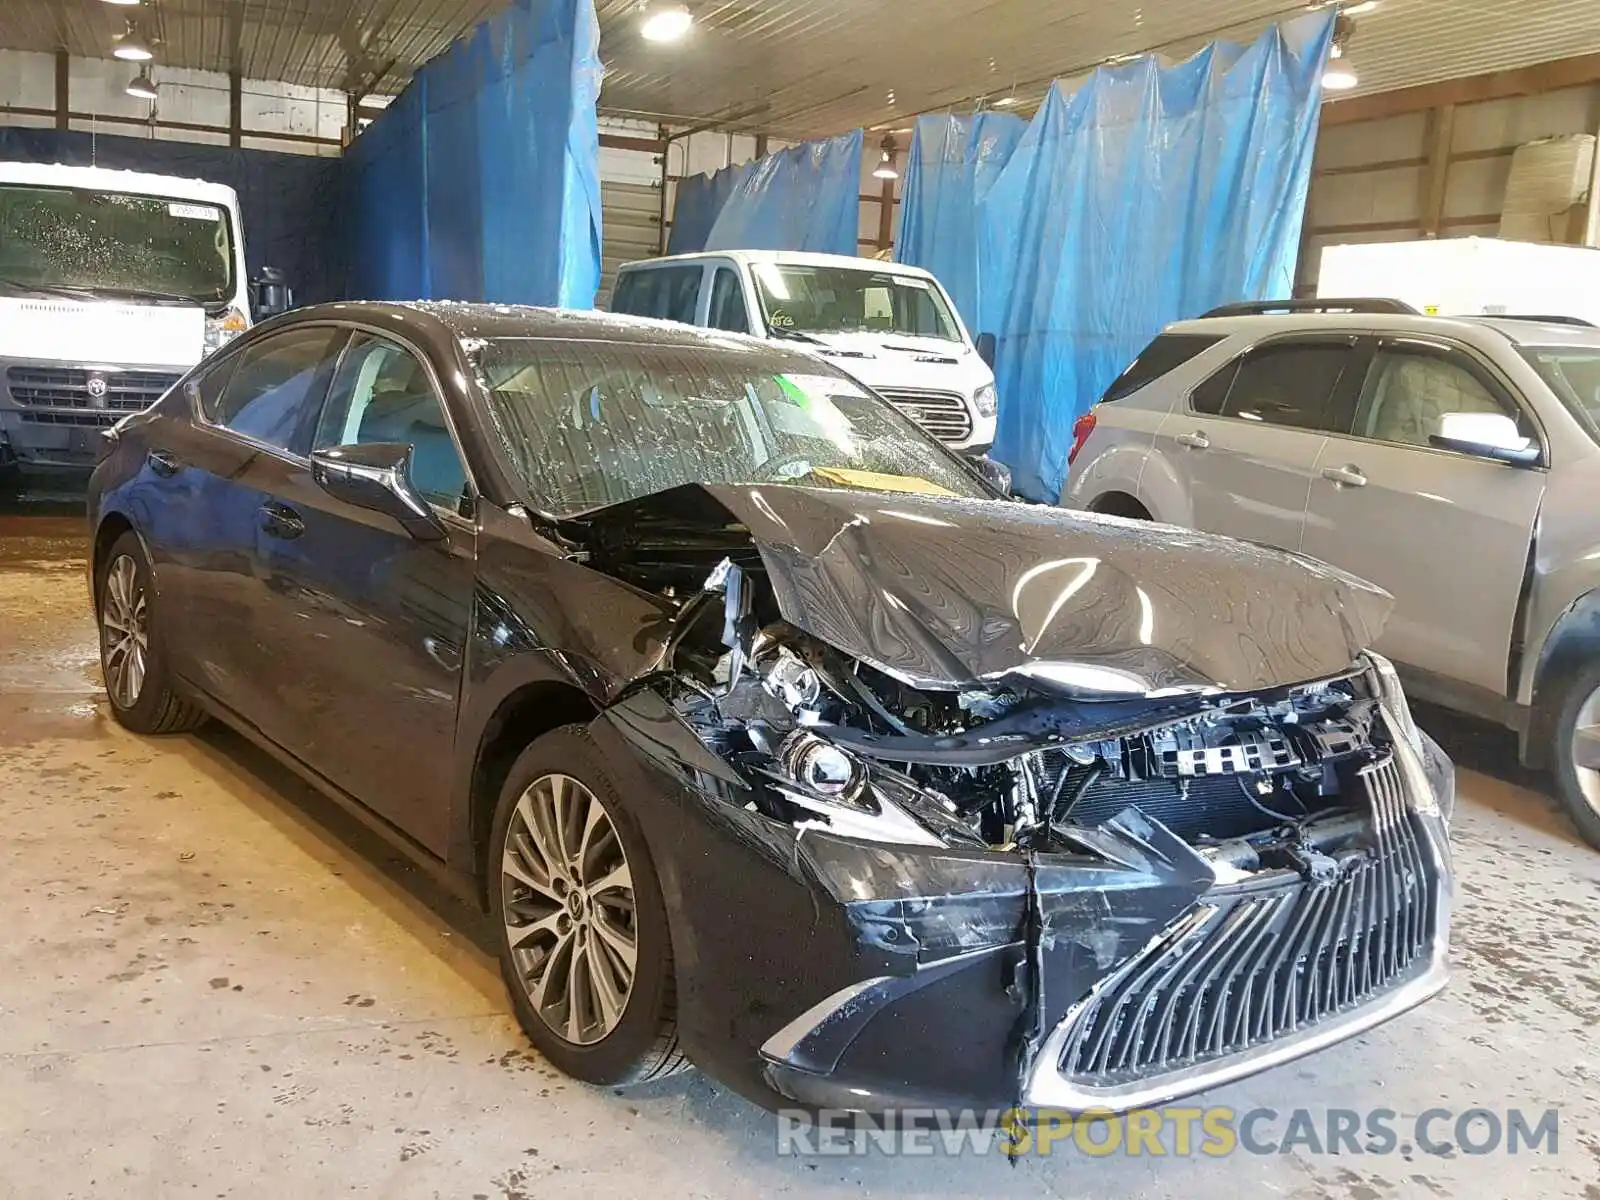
(584, 944)
(1577, 753)
(131, 658)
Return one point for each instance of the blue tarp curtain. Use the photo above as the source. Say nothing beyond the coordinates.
(289, 203)
(1147, 195)
(806, 197)
(481, 181)
(953, 162)
(694, 210)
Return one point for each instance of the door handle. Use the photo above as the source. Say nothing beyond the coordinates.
(1346, 476)
(281, 521)
(1195, 441)
(164, 463)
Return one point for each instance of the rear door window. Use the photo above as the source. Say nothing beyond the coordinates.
(1291, 384)
(1168, 352)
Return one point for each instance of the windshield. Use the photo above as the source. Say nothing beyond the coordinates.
(589, 424)
(1573, 373)
(851, 300)
(57, 237)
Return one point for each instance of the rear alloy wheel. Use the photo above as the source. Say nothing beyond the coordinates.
(130, 655)
(585, 949)
(1577, 754)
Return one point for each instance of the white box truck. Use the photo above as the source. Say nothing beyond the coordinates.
(112, 285)
(1456, 277)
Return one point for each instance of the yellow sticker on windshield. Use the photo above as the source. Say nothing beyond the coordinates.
(874, 481)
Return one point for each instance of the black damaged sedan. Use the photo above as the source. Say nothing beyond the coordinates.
(772, 738)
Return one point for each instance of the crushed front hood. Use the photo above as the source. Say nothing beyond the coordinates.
(955, 593)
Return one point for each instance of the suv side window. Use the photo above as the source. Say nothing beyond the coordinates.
(727, 302)
(382, 393)
(1412, 389)
(270, 391)
(1167, 352)
(1282, 383)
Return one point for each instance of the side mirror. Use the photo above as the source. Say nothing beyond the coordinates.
(996, 474)
(985, 348)
(272, 294)
(1488, 435)
(377, 477)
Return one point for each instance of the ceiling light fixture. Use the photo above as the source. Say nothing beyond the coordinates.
(1340, 76)
(1007, 102)
(665, 23)
(131, 47)
(886, 168)
(1355, 10)
(141, 86)
(124, 3)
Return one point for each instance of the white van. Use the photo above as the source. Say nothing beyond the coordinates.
(891, 326)
(112, 285)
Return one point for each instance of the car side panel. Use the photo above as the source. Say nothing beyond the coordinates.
(1566, 563)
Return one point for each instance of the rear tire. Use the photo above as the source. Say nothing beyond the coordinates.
(576, 900)
(1578, 788)
(132, 657)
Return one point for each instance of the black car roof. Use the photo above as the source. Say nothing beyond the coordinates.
(467, 321)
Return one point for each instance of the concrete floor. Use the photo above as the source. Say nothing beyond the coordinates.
(213, 983)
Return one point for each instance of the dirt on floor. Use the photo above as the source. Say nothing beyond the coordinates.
(214, 983)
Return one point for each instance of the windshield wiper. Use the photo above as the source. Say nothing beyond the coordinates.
(794, 335)
(141, 293)
(40, 289)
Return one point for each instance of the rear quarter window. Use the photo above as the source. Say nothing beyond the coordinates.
(1166, 353)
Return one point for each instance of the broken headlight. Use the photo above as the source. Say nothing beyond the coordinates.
(1393, 698)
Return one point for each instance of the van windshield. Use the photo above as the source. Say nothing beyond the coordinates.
(818, 299)
(114, 243)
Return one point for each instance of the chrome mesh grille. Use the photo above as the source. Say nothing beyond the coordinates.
(69, 388)
(1250, 966)
(943, 414)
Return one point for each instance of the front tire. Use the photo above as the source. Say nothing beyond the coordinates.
(1577, 734)
(132, 660)
(585, 950)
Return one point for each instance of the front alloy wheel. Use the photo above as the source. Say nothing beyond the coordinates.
(569, 909)
(1577, 759)
(585, 943)
(124, 631)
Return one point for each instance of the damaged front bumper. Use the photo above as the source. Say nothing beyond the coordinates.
(836, 973)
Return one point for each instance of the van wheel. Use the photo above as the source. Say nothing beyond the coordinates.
(1577, 753)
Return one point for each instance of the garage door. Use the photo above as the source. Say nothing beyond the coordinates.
(631, 221)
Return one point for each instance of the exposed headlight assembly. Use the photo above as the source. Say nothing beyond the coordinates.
(1393, 698)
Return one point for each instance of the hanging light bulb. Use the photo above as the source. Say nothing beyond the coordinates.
(665, 22)
(886, 168)
(1340, 76)
(141, 86)
(131, 47)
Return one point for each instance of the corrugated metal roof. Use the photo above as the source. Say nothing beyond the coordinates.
(807, 66)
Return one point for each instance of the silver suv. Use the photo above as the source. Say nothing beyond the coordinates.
(1454, 462)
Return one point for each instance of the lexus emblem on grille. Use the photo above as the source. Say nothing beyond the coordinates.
(97, 390)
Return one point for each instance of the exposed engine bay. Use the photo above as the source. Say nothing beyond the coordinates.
(835, 742)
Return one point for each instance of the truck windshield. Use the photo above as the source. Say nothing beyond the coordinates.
(816, 299)
(1573, 373)
(114, 243)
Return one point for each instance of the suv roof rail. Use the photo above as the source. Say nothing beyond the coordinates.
(1542, 319)
(1360, 304)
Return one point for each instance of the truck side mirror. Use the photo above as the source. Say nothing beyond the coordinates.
(272, 294)
(986, 349)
